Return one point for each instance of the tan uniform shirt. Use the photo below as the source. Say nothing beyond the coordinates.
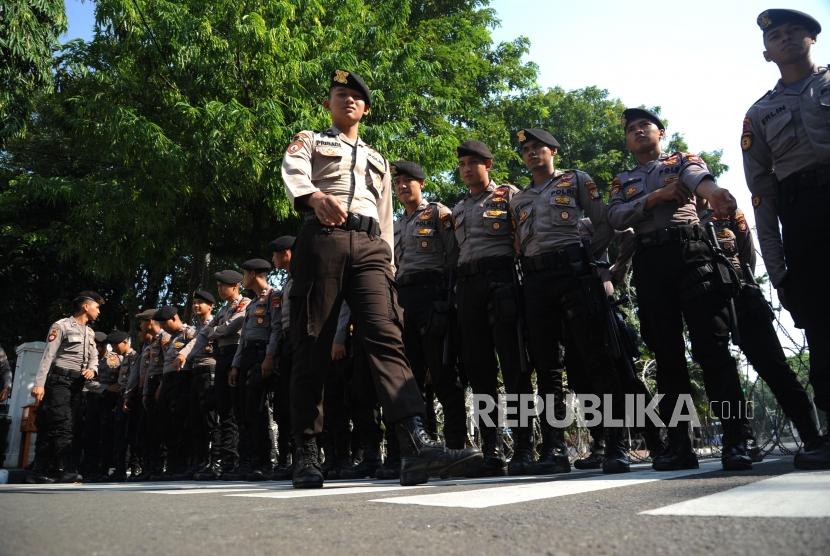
(424, 240)
(71, 346)
(352, 171)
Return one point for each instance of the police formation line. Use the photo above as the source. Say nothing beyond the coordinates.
(379, 318)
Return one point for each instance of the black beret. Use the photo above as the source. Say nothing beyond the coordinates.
(116, 337)
(408, 168)
(147, 314)
(89, 295)
(257, 265)
(282, 243)
(474, 148)
(770, 19)
(165, 313)
(204, 296)
(634, 113)
(525, 135)
(100, 337)
(343, 78)
(230, 277)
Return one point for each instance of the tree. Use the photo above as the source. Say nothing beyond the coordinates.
(29, 31)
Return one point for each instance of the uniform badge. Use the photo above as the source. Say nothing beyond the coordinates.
(562, 200)
(494, 213)
(764, 20)
(523, 215)
(565, 215)
(260, 320)
(746, 141)
(276, 301)
(328, 151)
(112, 360)
(632, 189)
(668, 180)
(341, 76)
(756, 201)
(496, 225)
(740, 220)
(592, 189)
(615, 186)
(521, 136)
(241, 306)
(427, 214)
(424, 244)
(695, 158)
(424, 231)
(566, 180)
(672, 160)
(53, 334)
(294, 147)
(178, 345)
(259, 310)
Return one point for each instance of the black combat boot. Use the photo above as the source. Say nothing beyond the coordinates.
(209, 472)
(39, 474)
(366, 468)
(421, 456)
(554, 456)
(494, 463)
(522, 461)
(307, 472)
(391, 468)
(595, 458)
(239, 472)
(616, 451)
(678, 454)
(735, 455)
(814, 455)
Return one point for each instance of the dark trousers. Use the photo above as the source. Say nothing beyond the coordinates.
(255, 436)
(55, 421)
(762, 348)
(426, 326)
(175, 394)
(106, 438)
(488, 320)
(805, 232)
(226, 410)
(153, 428)
(135, 430)
(91, 436)
(120, 438)
(282, 402)
(202, 424)
(331, 265)
(659, 272)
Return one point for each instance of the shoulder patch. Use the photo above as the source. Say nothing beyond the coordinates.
(276, 300)
(756, 201)
(242, 305)
(672, 160)
(501, 191)
(592, 189)
(616, 185)
(740, 220)
(298, 141)
(746, 141)
(53, 334)
(695, 159)
(112, 360)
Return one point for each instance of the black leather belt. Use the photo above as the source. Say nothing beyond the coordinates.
(487, 264)
(561, 259)
(226, 350)
(60, 371)
(422, 278)
(673, 234)
(814, 176)
(354, 223)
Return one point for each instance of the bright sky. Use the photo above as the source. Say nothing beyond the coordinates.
(700, 61)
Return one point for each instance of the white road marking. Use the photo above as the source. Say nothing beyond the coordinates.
(326, 491)
(514, 494)
(798, 494)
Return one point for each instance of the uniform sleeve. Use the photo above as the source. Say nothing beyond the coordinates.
(764, 188)
(343, 320)
(53, 342)
(693, 171)
(296, 167)
(446, 232)
(197, 346)
(622, 214)
(626, 241)
(275, 305)
(5, 370)
(743, 240)
(234, 323)
(132, 378)
(591, 202)
(387, 229)
(237, 357)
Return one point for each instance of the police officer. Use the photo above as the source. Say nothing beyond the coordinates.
(68, 361)
(133, 399)
(757, 337)
(786, 152)
(425, 256)
(100, 416)
(174, 393)
(222, 332)
(252, 366)
(281, 253)
(120, 343)
(676, 281)
(153, 427)
(488, 301)
(344, 251)
(202, 426)
(563, 296)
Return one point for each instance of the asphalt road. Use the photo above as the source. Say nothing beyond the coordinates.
(585, 513)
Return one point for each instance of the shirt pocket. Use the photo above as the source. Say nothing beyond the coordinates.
(495, 221)
(425, 239)
(564, 210)
(327, 162)
(74, 342)
(780, 134)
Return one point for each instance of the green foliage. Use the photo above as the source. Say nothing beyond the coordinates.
(29, 31)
